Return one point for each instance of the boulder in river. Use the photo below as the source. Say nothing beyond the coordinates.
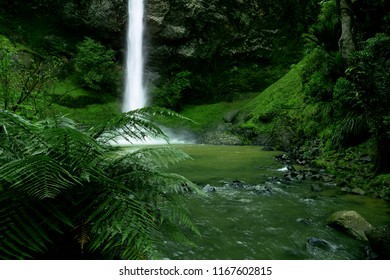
(349, 222)
(379, 239)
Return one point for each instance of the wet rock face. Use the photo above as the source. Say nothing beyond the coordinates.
(186, 28)
(107, 16)
(206, 37)
(208, 27)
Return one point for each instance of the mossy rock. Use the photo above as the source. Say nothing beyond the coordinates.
(350, 222)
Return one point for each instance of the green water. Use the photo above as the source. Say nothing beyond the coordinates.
(214, 164)
(243, 224)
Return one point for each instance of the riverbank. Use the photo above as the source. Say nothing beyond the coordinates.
(280, 118)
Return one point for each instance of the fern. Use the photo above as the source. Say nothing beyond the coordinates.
(38, 175)
(133, 126)
(61, 186)
(22, 235)
(82, 234)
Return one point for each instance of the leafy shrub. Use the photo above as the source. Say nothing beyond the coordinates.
(321, 73)
(55, 45)
(171, 93)
(369, 76)
(26, 83)
(96, 66)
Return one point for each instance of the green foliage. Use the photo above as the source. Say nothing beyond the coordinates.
(6, 79)
(67, 193)
(350, 130)
(171, 93)
(354, 100)
(56, 45)
(320, 73)
(369, 79)
(326, 31)
(96, 66)
(381, 184)
(250, 77)
(26, 82)
(278, 113)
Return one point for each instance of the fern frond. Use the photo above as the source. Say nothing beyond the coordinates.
(150, 183)
(160, 157)
(136, 125)
(21, 234)
(180, 217)
(15, 123)
(54, 177)
(38, 175)
(73, 148)
(131, 126)
(82, 234)
(19, 136)
(127, 230)
(146, 159)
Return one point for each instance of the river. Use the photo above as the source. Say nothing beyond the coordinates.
(240, 224)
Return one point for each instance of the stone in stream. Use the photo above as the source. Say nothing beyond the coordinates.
(263, 189)
(358, 191)
(379, 240)
(319, 243)
(305, 221)
(316, 188)
(238, 184)
(349, 222)
(268, 188)
(209, 189)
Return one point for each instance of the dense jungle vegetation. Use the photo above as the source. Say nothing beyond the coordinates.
(307, 77)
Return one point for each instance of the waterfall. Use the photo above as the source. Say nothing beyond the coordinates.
(135, 94)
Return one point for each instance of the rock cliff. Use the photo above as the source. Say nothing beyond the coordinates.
(206, 37)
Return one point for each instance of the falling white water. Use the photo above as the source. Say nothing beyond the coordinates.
(135, 94)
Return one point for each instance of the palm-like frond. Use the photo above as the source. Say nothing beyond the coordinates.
(136, 125)
(59, 181)
(38, 175)
(143, 159)
(14, 133)
(126, 232)
(25, 225)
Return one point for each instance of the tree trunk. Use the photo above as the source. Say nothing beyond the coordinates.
(346, 41)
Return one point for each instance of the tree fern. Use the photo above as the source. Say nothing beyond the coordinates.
(133, 126)
(38, 175)
(65, 192)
